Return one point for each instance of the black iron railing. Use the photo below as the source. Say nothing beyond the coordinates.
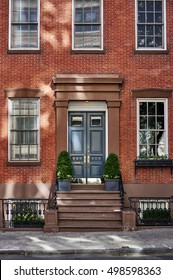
(122, 193)
(152, 211)
(23, 212)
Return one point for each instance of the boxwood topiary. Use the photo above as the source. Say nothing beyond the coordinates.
(111, 168)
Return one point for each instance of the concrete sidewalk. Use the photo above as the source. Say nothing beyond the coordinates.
(145, 241)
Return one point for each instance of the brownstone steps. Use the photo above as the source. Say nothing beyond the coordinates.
(89, 208)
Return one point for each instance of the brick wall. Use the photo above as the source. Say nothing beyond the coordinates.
(36, 71)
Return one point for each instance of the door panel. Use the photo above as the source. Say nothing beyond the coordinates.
(86, 138)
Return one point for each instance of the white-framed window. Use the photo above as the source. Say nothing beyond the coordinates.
(23, 136)
(24, 24)
(151, 24)
(87, 24)
(152, 128)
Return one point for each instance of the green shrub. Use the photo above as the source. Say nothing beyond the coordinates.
(27, 217)
(111, 169)
(64, 167)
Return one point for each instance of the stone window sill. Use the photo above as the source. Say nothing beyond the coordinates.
(87, 51)
(24, 51)
(18, 163)
(151, 52)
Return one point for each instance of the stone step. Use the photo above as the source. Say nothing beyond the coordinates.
(89, 208)
(85, 201)
(94, 215)
(88, 223)
(88, 194)
(97, 187)
(90, 228)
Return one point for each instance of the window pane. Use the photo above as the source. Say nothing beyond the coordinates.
(151, 122)
(158, 41)
(141, 17)
(158, 30)
(141, 41)
(151, 108)
(33, 152)
(160, 108)
(150, 30)
(160, 122)
(141, 30)
(24, 138)
(143, 122)
(150, 17)
(151, 137)
(15, 152)
(143, 108)
(15, 137)
(158, 17)
(158, 6)
(143, 150)
(143, 137)
(24, 152)
(33, 137)
(150, 5)
(141, 5)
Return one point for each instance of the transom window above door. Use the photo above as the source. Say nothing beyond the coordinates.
(87, 24)
(24, 24)
(151, 24)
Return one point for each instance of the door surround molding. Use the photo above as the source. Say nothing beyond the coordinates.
(87, 87)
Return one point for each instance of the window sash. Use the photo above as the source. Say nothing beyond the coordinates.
(151, 24)
(152, 130)
(87, 24)
(24, 129)
(24, 25)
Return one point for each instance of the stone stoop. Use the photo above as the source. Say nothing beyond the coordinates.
(89, 208)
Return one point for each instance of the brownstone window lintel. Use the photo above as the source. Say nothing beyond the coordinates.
(24, 93)
(152, 93)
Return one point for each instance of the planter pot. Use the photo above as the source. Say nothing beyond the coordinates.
(64, 185)
(112, 184)
(154, 163)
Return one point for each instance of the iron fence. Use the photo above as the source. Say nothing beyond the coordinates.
(152, 211)
(23, 212)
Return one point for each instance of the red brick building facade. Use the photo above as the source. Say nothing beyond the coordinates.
(111, 56)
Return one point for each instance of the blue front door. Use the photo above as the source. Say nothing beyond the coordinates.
(86, 143)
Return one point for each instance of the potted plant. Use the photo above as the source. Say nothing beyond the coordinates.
(64, 171)
(111, 173)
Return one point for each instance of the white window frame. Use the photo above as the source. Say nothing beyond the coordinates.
(165, 100)
(73, 24)
(10, 27)
(164, 29)
(10, 100)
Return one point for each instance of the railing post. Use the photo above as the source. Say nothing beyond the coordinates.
(1, 215)
(51, 220)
